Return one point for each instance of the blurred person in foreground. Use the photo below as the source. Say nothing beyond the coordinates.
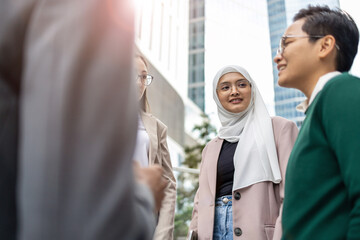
(241, 182)
(66, 144)
(322, 192)
(152, 149)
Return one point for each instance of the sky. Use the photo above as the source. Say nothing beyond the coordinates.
(237, 33)
(353, 8)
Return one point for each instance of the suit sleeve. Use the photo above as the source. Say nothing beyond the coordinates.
(165, 226)
(194, 218)
(341, 118)
(13, 26)
(78, 125)
(285, 139)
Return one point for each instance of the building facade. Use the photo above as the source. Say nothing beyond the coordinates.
(196, 91)
(161, 36)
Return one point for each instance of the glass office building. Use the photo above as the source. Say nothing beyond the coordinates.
(196, 87)
(280, 14)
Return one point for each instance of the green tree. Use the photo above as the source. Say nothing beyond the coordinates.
(188, 183)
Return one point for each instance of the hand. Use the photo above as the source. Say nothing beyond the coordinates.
(152, 177)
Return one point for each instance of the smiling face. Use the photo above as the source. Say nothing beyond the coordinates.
(234, 92)
(298, 62)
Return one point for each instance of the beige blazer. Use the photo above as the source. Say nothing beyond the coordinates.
(159, 154)
(257, 212)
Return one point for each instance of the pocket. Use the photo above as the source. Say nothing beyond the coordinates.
(269, 231)
(193, 235)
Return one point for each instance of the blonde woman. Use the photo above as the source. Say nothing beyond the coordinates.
(151, 148)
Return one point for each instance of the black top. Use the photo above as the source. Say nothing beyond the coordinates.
(225, 169)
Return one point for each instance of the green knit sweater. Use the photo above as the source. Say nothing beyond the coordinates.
(322, 191)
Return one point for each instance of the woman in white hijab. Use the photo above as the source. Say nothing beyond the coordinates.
(241, 182)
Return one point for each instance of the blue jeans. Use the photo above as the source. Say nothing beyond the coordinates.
(223, 222)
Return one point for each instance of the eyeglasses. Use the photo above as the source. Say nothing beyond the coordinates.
(145, 79)
(283, 43)
(226, 87)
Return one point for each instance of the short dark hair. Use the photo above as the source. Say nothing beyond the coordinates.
(321, 20)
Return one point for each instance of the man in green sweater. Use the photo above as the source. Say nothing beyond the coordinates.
(322, 192)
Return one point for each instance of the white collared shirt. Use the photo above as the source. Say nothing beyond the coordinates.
(302, 107)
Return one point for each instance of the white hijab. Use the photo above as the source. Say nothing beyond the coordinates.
(255, 157)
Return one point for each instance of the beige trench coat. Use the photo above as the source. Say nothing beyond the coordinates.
(159, 154)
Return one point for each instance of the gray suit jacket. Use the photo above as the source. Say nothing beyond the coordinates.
(72, 61)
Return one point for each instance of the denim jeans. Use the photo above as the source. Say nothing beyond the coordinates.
(223, 222)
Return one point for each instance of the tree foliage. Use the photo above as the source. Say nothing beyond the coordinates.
(187, 183)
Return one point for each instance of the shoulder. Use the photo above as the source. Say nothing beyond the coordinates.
(344, 76)
(338, 101)
(214, 143)
(160, 124)
(280, 122)
(211, 149)
(285, 131)
(341, 83)
(340, 94)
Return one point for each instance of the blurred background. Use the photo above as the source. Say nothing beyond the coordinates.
(185, 43)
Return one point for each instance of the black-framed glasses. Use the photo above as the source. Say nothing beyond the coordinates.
(283, 43)
(146, 79)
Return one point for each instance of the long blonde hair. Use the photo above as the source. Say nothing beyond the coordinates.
(144, 103)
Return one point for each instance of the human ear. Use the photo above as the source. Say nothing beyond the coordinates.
(328, 46)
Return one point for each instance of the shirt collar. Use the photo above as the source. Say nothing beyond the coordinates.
(302, 107)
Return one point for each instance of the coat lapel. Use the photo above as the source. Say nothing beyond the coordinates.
(212, 154)
(151, 128)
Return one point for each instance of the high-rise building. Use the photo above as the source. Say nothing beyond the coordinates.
(280, 14)
(196, 78)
